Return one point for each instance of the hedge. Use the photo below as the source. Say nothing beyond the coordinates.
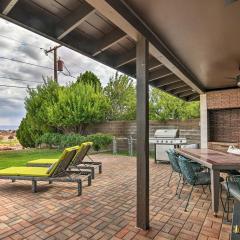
(100, 141)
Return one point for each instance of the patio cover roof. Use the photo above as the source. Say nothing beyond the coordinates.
(194, 45)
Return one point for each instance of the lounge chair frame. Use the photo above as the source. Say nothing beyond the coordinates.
(60, 174)
(66, 178)
(79, 165)
(89, 165)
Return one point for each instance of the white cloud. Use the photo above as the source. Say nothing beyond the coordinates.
(12, 99)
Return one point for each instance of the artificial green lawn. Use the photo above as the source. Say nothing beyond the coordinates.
(21, 157)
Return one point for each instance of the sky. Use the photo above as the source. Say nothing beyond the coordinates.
(21, 44)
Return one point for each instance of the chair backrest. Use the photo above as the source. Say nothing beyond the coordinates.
(187, 170)
(81, 153)
(235, 179)
(58, 168)
(173, 159)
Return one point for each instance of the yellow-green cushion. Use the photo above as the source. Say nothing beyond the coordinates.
(43, 161)
(25, 171)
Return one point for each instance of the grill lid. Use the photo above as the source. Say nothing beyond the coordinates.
(166, 133)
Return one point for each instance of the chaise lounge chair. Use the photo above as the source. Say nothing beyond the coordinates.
(77, 163)
(57, 172)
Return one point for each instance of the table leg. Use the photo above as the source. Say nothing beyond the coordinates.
(215, 174)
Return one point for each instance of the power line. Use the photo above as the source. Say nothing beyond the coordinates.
(69, 73)
(22, 43)
(31, 64)
(13, 86)
(65, 74)
(18, 79)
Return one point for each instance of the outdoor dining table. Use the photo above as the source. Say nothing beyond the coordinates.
(215, 161)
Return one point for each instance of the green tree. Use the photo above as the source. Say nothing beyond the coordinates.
(122, 96)
(77, 106)
(26, 133)
(53, 108)
(163, 106)
(39, 100)
(89, 78)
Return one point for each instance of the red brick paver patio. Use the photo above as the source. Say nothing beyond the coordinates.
(106, 210)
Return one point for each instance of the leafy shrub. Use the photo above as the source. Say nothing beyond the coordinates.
(100, 141)
(71, 140)
(50, 139)
(27, 133)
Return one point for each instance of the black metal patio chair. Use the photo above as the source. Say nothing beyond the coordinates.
(173, 159)
(192, 177)
(232, 186)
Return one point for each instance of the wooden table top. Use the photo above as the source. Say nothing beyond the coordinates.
(211, 158)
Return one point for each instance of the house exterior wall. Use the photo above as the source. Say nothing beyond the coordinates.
(223, 109)
(224, 99)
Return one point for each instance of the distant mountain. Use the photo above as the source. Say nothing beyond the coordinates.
(8, 127)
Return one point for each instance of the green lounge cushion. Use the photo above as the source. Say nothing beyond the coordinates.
(38, 171)
(43, 161)
(51, 167)
(25, 171)
(77, 158)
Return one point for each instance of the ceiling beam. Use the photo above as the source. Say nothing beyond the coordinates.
(174, 86)
(73, 20)
(126, 58)
(107, 41)
(165, 81)
(130, 56)
(162, 82)
(181, 90)
(7, 6)
(153, 64)
(185, 94)
(161, 72)
(130, 68)
(194, 96)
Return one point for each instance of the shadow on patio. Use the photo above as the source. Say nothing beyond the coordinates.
(106, 210)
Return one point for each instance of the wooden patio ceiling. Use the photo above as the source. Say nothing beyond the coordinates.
(95, 29)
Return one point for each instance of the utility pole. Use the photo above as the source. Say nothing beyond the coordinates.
(54, 49)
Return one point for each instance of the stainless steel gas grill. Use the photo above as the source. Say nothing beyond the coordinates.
(163, 140)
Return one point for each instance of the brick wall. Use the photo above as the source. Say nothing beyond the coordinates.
(224, 125)
(224, 99)
(224, 116)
